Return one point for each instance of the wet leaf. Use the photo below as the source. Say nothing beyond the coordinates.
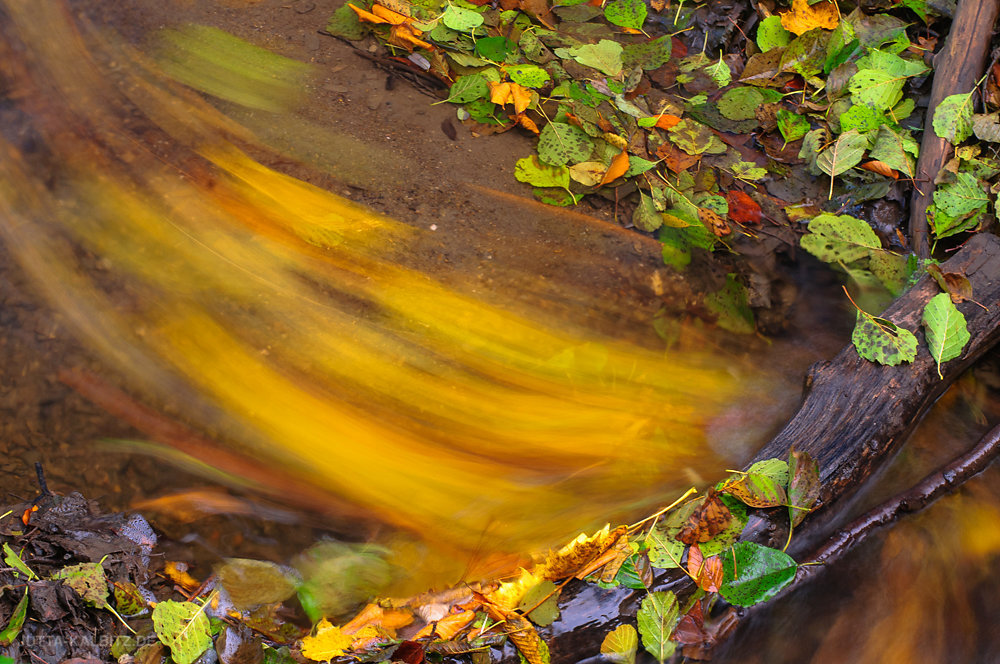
(961, 197)
(776, 469)
(740, 103)
(463, 20)
(754, 573)
(534, 172)
(713, 221)
(806, 54)
(953, 118)
(495, 48)
(541, 603)
(695, 138)
(646, 217)
(845, 153)
(877, 88)
(649, 55)
(945, 328)
(344, 22)
(730, 306)
(896, 150)
(88, 580)
(522, 633)
(13, 560)
(803, 486)
(772, 34)
(880, 340)
(791, 125)
(447, 627)
(619, 166)
(184, 628)
(864, 118)
(708, 519)
(16, 622)
(664, 552)
(657, 617)
(756, 490)
(842, 238)
(509, 92)
(560, 143)
(987, 127)
(620, 645)
(129, 600)
(572, 558)
(707, 572)
(742, 208)
(468, 88)
(529, 76)
(804, 17)
(604, 56)
(626, 13)
(958, 286)
(252, 582)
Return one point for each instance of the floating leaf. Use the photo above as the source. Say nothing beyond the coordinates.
(541, 603)
(804, 17)
(16, 622)
(495, 48)
(742, 208)
(626, 13)
(803, 486)
(731, 308)
(754, 573)
(756, 490)
(842, 238)
(560, 143)
(463, 20)
(620, 645)
(253, 582)
(945, 328)
(184, 628)
(880, 340)
(845, 153)
(657, 617)
(344, 22)
(953, 118)
(772, 34)
(534, 172)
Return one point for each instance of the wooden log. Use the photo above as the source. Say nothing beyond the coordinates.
(854, 417)
(957, 67)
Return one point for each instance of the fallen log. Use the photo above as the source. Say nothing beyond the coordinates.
(855, 415)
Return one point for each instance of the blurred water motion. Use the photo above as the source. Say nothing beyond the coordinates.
(275, 314)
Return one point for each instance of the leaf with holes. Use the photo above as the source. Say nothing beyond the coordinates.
(839, 238)
(953, 118)
(657, 617)
(880, 340)
(561, 143)
(845, 153)
(753, 573)
(182, 627)
(946, 329)
(620, 645)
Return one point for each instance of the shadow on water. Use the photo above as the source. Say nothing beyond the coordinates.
(465, 395)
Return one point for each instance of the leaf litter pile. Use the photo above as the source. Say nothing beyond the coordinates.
(724, 129)
(80, 586)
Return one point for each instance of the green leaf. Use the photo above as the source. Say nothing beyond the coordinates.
(945, 328)
(753, 573)
(638, 166)
(646, 217)
(535, 173)
(251, 583)
(876, 88)
(862, 117)
(842, 238)
(961, 197)
(895, 149)
(542, 600)
(604, 56)
(845, 153)
(880, 340)
(530, 76)
(720, 73)
(757, 490)
(462, 20)
(945, 225)
(16, 622)
(620, 645)
(776, 469)
(129, 599)
(806, 53)
(184, 628)
(560, 143)
(558, 197)
(731, 308)
(695, 138)
(657, 617)
(803, 486)
(953, 118)
(665, 552)
(88, 580)
(468, 88)
(344, 22)
(771, 34)
(14, 560)
(495, 48)
(626, 13)
(791, 125)
(648, 55)
(740, 103)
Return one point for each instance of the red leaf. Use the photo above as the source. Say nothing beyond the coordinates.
(742, 208)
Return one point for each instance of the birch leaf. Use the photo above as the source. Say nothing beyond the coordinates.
(953, 118)
(657, 618)
(880, 340)
(844, 154)
(946, 329)
(620, 645)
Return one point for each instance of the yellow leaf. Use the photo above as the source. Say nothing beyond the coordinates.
(328, 642)
(527, 123)
(522, 633)
(446, 628)
(619, 164)
(179, 575)
(576, 555)
(520, 96)
(588, 173)
(713, 221)
(509, 593)
(619, 142)
(367, 16)
(804, 17)
(499, 92)
(389, 15)
(403, 35)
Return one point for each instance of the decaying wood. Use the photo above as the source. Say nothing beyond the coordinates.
(854, 417)
(957, 67)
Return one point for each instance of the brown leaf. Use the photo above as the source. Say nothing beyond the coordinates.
(714, 222)
(539, 9)
(578, 554)
(676, 159)
(881, 168)
(958, 287)
(742, 208)
(521, 632)
(707, 572)
(803, 485)
(690, 631)
(619, 164)
(409, 652)
(707, 521)
(804, 17)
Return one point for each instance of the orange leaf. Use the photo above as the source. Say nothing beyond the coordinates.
(521, 97)
(804, 17)
(499, 92)
(389, 15)
(742, 208)
(403, 35)
(881, 168)
(667, 121)
(367, 16)
(713, 221)
(710, 519)
(619, 164)
(373, 614)
(676, 159)
(631, 31)
(707, 572)
(527, 123)
(447, 627)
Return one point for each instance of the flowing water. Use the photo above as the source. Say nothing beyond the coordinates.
(452, 412)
